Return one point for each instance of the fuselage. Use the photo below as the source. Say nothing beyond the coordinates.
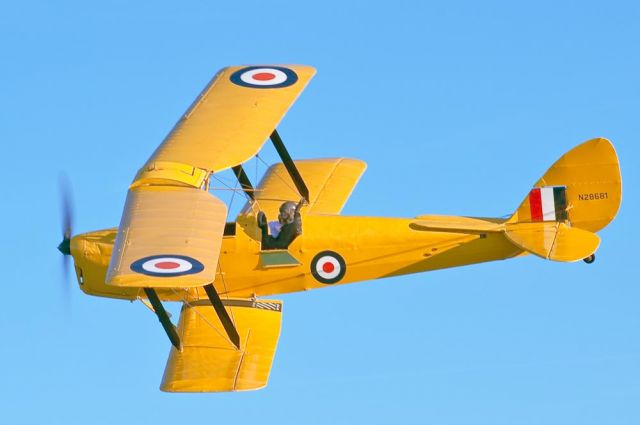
(332, 250)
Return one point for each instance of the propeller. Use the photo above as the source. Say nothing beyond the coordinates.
(67, 224)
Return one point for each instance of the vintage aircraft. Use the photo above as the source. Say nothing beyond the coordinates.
(175, 243)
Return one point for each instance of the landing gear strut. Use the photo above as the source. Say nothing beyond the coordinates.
(590, 259)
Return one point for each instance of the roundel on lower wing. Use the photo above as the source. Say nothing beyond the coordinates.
(328, 267)
(264, 77)
(167, 265)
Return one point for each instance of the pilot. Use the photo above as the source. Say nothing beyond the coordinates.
(285, 230)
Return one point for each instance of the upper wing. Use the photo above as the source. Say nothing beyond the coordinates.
(233, 117)
(167, 232)
(330, 183)
(170, 227)
(209, 362)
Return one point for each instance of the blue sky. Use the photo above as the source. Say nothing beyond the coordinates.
(457, 107)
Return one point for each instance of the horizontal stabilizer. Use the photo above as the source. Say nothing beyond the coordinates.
(440, 223)
(553, 241)
(209, 362)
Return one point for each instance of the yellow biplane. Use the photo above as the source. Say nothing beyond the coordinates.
(175, 242)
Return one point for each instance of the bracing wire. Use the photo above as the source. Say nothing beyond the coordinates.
(233, 195)
(202, 316)
(284, 180)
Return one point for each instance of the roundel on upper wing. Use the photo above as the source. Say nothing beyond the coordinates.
(264, 77)
(167, 265)
(328, 267)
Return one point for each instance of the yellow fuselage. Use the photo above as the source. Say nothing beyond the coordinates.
(372, 248)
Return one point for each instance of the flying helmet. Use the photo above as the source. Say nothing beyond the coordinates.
(287, 212)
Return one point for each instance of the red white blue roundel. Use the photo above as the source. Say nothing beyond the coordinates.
(167, 265)
(264, 77)
(328, 267)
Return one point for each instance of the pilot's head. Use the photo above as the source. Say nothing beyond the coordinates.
(287, 212)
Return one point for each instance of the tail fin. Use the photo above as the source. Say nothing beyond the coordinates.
(584, 187)
(579, 195)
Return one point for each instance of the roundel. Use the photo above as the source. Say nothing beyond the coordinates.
(328, 267)
(264, 77)
(167, 265)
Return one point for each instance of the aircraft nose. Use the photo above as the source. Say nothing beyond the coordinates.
(65, 246)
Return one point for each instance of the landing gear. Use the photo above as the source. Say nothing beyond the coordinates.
(590, 259)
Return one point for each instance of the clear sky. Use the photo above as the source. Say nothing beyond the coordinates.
(457, 107)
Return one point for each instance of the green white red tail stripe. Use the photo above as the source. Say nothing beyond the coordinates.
(548, 203)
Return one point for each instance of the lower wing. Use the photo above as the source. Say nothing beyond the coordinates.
(209, 362)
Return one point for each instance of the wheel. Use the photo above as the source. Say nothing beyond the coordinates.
(590, 259)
